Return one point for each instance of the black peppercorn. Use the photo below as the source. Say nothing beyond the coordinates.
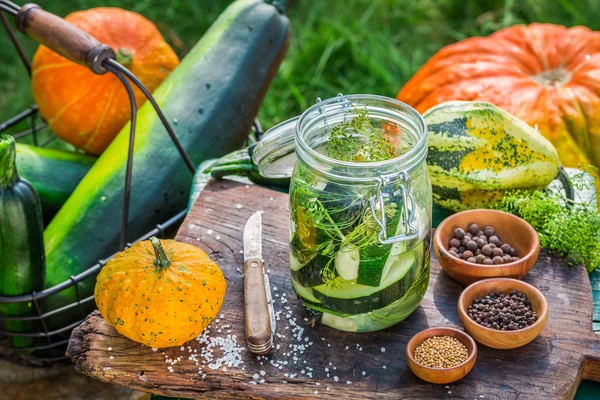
(502, 312)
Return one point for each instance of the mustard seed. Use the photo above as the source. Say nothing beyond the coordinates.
(441, 352)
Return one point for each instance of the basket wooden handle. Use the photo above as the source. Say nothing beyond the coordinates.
(63, 37)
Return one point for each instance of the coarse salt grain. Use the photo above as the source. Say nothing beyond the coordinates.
(209, 231)
(111, 357)
(110, 349)
(383, 349)
(238, 206)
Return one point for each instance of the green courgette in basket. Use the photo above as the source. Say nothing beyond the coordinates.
(211, 99)
(53, 173)
(21, 242)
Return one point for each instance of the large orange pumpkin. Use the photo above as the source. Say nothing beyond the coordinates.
(88, 110)
(547, 75)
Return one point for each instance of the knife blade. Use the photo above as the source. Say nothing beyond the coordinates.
(258, 305)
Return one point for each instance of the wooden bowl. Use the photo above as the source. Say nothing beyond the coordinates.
(503, 339)
(441, 375)
(510, 229)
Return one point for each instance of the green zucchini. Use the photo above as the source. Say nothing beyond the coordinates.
(353, 298)
(374, 257)
(306, 294)
(21, 242)
(53, 173)
(211, 99)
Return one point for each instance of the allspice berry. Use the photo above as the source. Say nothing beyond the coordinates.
(495, 240)
(486, 250)
(481, 247)
(497, 252)
(471, 245)
(454, 243)
(473, 229)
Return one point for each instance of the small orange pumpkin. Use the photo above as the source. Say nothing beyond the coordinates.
(88, 110)
(160, 293)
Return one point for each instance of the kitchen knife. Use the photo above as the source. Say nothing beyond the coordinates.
(258, 304)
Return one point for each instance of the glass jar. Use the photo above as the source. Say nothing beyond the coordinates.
(359, 231)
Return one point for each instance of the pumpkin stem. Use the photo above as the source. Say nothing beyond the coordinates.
(124, 56)
(8, 165)
(162, 260)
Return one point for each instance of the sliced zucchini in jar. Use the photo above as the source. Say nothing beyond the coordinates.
(305, 293)
(309, 274)
(346, 263)
(353, 298)
(340, 323)
(374, 257)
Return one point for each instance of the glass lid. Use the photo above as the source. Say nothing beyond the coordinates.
(275, 154)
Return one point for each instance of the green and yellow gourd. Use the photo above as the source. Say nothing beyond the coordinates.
(478, 151)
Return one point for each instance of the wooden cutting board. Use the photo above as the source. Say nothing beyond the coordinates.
(337, 364)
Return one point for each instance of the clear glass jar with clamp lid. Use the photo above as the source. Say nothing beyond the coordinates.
(360, 208)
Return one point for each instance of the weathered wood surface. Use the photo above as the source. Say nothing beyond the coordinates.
(550, 367)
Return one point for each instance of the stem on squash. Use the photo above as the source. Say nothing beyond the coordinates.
(124, 56)
(162, 260)
(8, 165)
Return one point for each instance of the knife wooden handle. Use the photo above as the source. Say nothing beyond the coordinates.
(256, 310)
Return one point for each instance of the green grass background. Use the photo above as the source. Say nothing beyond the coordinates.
(348, 46)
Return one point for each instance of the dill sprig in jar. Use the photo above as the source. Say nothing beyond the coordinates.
(360, 208)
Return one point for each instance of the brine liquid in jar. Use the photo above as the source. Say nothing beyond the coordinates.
(360, 205)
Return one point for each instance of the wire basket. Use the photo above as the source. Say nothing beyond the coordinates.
(78, 46)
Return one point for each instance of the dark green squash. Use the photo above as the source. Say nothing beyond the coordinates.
(21, 242)
(211, 100)
(53, 173)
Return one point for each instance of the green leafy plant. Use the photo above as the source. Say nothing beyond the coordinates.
(565, 227)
